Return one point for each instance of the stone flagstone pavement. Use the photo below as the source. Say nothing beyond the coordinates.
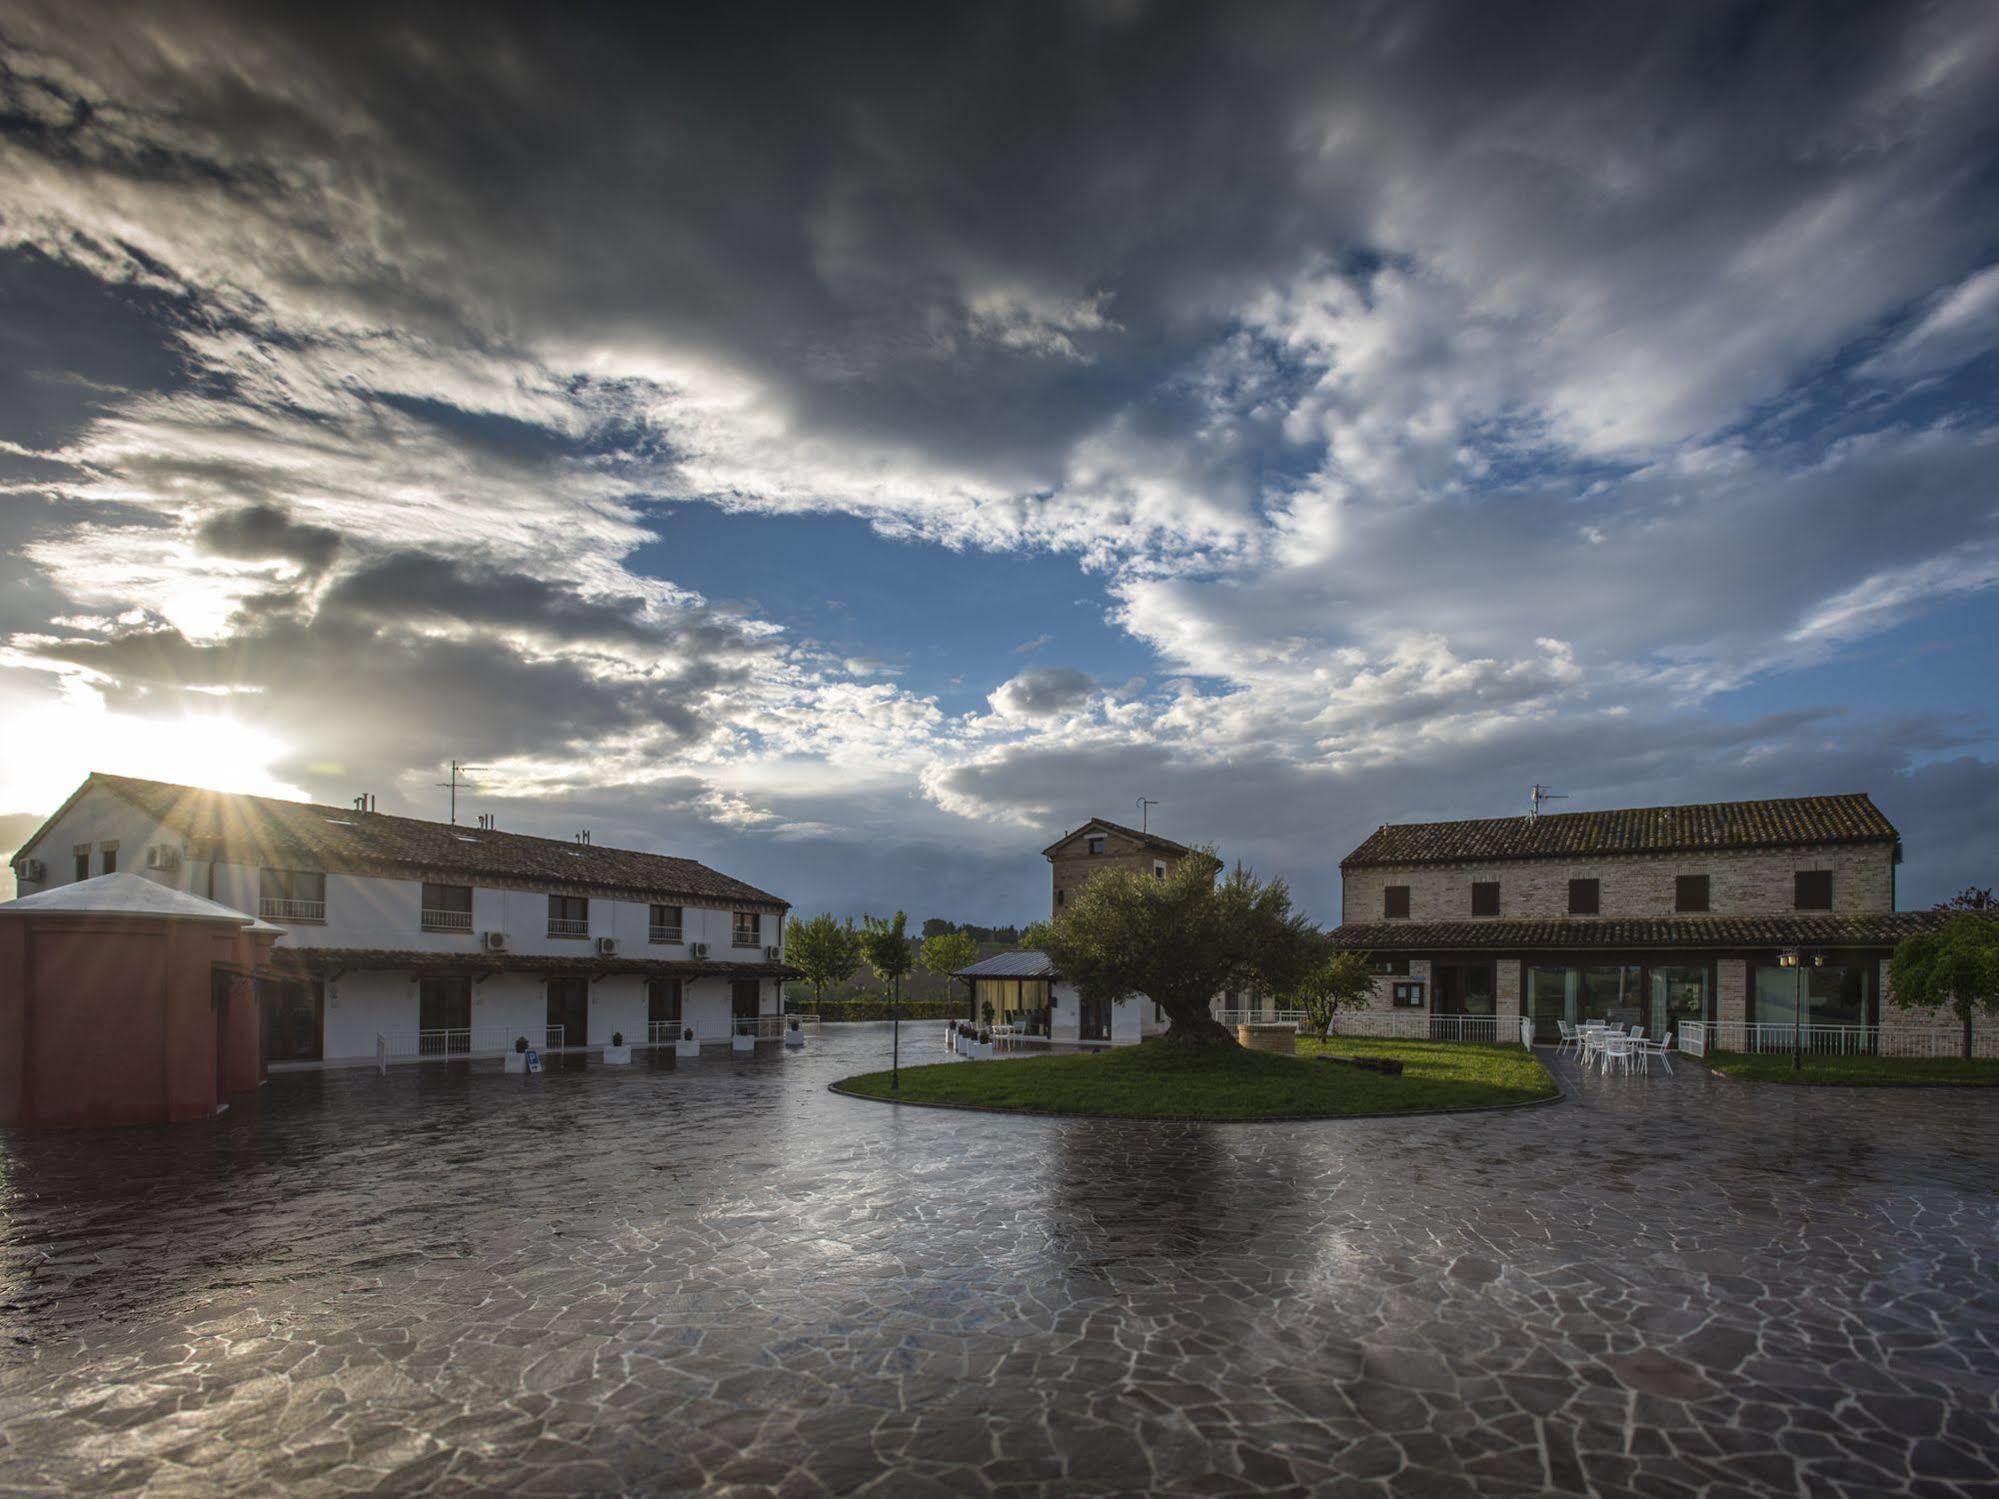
(719, 1276)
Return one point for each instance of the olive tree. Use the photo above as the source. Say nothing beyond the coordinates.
(1955, 967)
(1179, 941)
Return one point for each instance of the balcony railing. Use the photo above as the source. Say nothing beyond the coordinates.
(746, 939)
(763, 1027)
(664, 1032)
(665, 934)
(271, 908)
(568, 926)
(446, 921)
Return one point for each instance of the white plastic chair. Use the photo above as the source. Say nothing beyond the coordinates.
(1615, 1050)
(1569, 1037)
(1663, 1050)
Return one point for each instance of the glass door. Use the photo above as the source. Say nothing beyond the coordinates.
(1675, 994)
(568, 1012)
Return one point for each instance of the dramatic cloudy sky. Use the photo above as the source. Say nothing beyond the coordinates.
(851, 448)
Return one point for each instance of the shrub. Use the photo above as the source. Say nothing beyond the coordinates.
(617, 1038)
(687, 1034)
(520, 1043)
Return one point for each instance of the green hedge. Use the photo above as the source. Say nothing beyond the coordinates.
(878, 1009)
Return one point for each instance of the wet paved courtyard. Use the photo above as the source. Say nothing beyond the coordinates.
(719, 1276)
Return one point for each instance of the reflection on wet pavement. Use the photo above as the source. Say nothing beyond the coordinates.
(720, 1274)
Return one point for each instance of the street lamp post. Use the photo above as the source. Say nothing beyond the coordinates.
(1796, 959)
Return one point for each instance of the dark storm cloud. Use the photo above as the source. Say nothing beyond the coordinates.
(258, 533)
(1434, 384)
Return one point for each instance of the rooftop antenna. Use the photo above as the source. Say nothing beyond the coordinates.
(1145, 806)
(1537, 794)
(457, 773)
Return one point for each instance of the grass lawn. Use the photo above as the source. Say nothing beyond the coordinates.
(1858, 1071)
(1227, 1082)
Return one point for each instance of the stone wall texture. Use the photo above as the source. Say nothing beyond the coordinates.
(1072, 865)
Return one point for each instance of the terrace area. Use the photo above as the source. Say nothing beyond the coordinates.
(681, 1275)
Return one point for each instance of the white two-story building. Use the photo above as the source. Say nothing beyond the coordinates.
(432, 939)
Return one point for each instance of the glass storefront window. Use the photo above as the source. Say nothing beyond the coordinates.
(1833, 995)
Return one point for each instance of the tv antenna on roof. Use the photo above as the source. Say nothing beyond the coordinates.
(1145, 806)
(452, 785)
(1537, 794)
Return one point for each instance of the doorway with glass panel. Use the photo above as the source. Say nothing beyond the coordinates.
(1466, 1000)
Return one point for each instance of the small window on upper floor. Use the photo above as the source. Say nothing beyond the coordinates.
(1096, 845)
(108, 857)
(569, 916)
(291, 895)
(1159, 869)
(664, 924)
(747, 929)
(1690, 892)
(1061, 897)
(1585, 897)
(83, 861)
(1485, 897)
(1395, 901)
(446, 908)
(1813, 891)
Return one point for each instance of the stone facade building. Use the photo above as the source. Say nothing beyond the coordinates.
(1086, 852)
(1663, 915)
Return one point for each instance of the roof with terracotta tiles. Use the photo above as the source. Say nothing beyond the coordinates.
(1781, 823)
(273, 831)
(1150, 840)
(1784, 929)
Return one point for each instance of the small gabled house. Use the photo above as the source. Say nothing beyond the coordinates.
(419, 938)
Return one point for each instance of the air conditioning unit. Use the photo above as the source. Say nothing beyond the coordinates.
(697, 949)
(494, 941)
(33, 871)
(162, 856)
(772, 954)
(607, 947)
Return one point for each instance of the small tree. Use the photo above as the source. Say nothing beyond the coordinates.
(1955, 967)
(946, 952)
(886, 948)
(824, 950)
(1343, 980)
(1179, 941)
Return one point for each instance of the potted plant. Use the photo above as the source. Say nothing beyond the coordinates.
(617, 1054)
(687, 1046)
(793, 1036)
(517, 1059)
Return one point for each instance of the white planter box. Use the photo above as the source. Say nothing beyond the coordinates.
(742, 1043)
(687, 1048)
(795, 1039)
(617, 1056)
(517, 1061)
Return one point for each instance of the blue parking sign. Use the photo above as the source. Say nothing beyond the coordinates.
(534, 1061)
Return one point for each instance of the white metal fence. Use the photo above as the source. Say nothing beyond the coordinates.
(1837, 1040)
(1234, 1018)
(464, 1041)
(763, 1027)
(1413, 1025)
